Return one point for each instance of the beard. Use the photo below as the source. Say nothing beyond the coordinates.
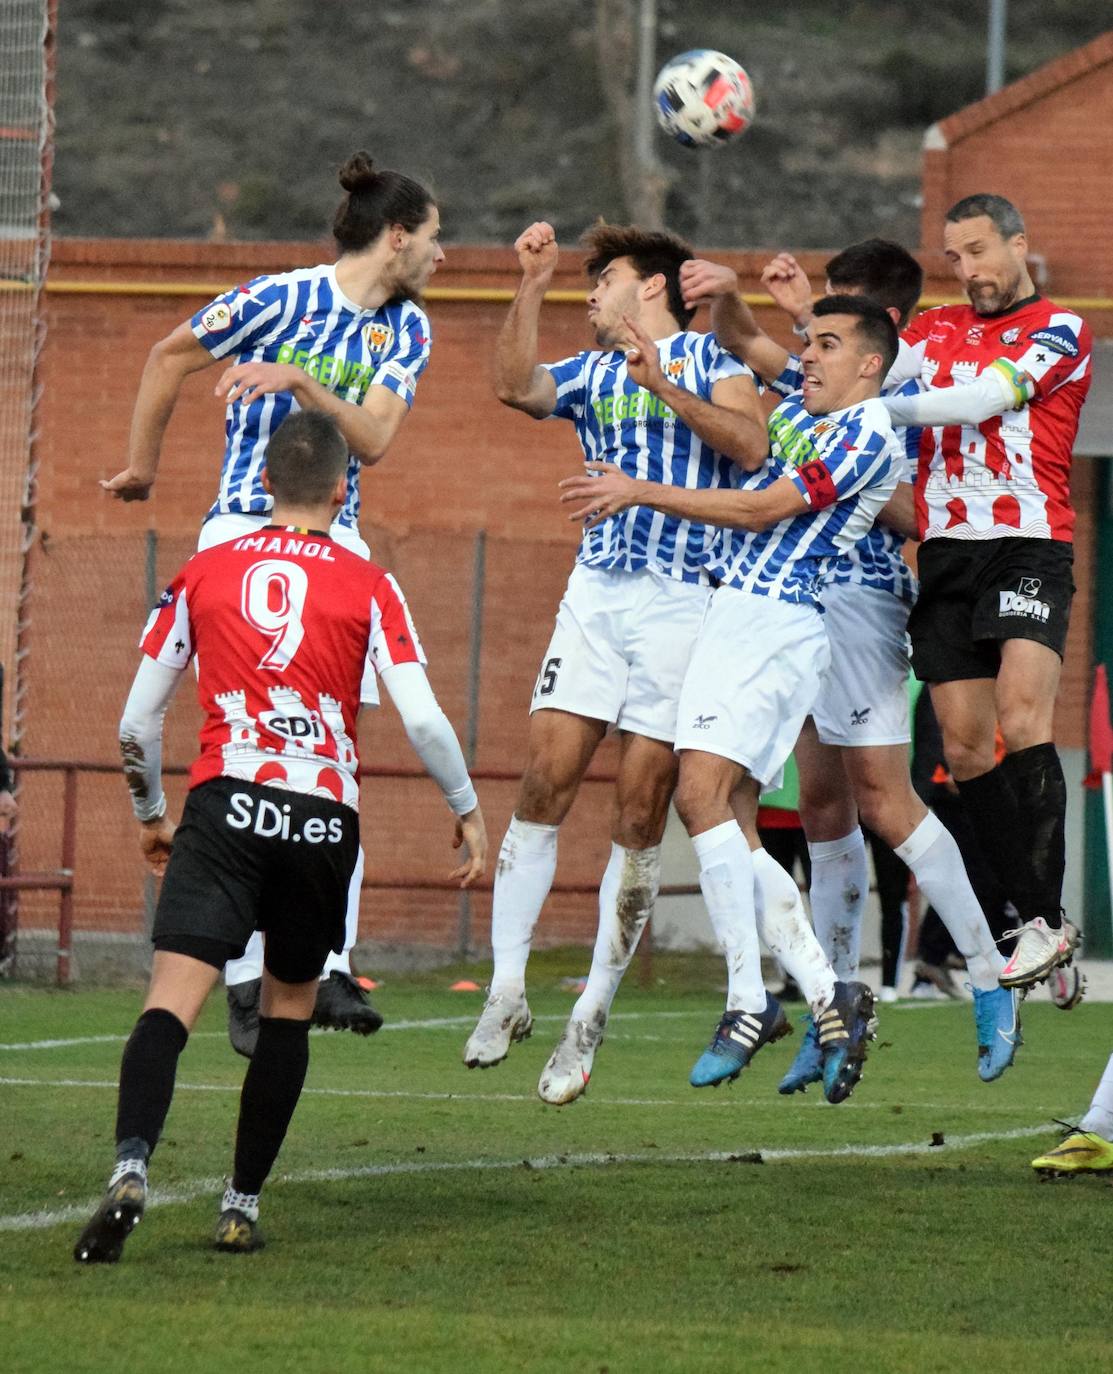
(990, 300)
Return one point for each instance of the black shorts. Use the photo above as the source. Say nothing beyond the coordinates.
(248, 857)
(974, 593)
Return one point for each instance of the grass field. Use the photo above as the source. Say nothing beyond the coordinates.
(424, 1217)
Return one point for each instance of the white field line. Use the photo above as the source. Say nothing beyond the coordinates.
(432, 1023)
(36, 1221)
(731, 1100)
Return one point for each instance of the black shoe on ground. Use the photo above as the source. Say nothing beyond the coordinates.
(243, 1015)
(102, 1241)
(237, 1234)
(343, 1005)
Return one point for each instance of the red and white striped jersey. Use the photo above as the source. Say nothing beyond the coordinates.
(1010, 475)
(281, 622)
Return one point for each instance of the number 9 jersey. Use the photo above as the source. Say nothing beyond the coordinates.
(281, 622)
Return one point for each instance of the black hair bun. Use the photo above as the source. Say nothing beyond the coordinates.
(358, 173)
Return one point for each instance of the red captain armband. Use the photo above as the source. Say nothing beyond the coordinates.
(816, 477)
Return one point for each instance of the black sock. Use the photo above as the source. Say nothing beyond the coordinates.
(147, 1073)
(1036, 777)
(993, 812)
(271, 1090)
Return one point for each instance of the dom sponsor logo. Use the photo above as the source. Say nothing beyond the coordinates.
(269, 820)
(1025, 601)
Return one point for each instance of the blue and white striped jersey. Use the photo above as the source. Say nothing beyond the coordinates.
(619, 422)
(304, 318)
(853, 462)
(875, 561)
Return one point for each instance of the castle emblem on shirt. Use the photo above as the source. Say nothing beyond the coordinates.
(378, 337)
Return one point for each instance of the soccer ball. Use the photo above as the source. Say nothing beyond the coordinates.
(703, 98)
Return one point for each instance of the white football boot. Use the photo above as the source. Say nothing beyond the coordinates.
(1039, 951)
(504, 1019)
(566, 1075)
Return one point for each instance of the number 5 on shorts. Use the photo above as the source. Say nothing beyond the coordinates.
(546, 679)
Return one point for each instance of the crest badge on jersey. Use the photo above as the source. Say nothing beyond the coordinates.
(1010, 336)
(1059, 338)
(674, 367)
(216, 318)
(378, 337)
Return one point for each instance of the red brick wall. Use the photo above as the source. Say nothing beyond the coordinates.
(1046, 143)
(462, 463)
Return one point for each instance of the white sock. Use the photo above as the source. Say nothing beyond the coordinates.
(249, 965)
(786, 931)
(247, 1203)
(726, 878)
(523, 876)
(1099, 1118)
(342, 962)
(626, 897)
(840, 886)
(934, 858)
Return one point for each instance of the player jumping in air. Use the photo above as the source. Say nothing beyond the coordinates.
(1006, 377)
(281, 621)
(853, 751)
(628, 620)
(762, 652)
(346, 338)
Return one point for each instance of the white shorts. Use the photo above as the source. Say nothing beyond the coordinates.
(620, 649)
(753, 680)
(864, 697)
(218, 529)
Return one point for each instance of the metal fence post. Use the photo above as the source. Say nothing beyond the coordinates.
(69, 858)
(478, 591)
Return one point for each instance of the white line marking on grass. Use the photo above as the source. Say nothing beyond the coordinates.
(37, 1221)
(432, 1023)
(429, 1023)
(733, 1101)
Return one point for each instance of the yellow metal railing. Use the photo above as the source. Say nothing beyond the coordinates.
(491, 295)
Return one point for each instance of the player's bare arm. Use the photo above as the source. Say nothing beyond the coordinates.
(788, 284)
(368, 428)
(595, 498)
(471, 835)
(519, 380)
(732, 320)
(731, 422)
(899, 512)
(169, 363)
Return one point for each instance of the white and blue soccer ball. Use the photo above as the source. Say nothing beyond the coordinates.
(703, 98)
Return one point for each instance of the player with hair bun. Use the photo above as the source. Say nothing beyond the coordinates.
(347, 338)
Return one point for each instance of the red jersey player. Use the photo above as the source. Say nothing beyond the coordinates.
(281, 621)
(1006, 377)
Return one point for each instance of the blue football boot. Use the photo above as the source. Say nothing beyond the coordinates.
(844, 1027)
(738, 1037)
(997, 1018)
(807, 1067)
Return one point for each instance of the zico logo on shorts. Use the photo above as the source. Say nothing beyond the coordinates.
(1023, 601)
(270, 821)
